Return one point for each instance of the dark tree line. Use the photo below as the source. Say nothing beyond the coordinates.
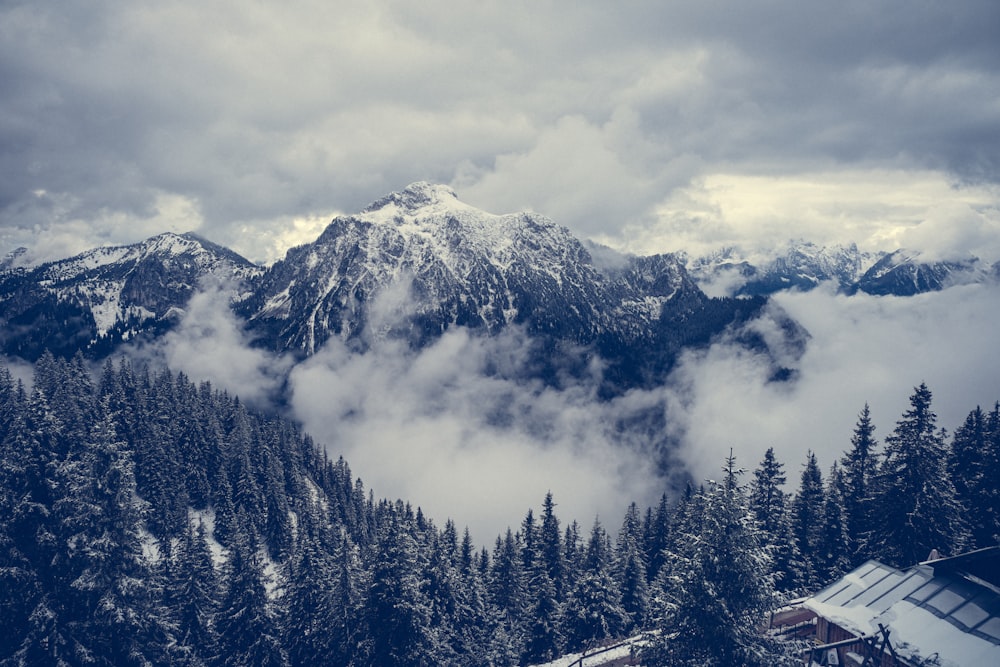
(920, 490)
(148, 520)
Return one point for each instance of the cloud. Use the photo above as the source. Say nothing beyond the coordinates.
(878, 209)
(862, 349)
(451, 430)
(209, 344)
(259, 115)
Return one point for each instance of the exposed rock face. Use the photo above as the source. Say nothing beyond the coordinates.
(96, 300)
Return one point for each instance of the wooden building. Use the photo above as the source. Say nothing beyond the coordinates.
(942, 612)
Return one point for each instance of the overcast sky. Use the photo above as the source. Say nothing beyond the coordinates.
(648, 125)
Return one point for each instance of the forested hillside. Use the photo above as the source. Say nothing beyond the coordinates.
(148, 520)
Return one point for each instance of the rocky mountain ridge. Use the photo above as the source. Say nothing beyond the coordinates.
(98, 299)
(417, 262)
(804, 265)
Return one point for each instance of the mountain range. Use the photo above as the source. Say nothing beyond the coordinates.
(419, 261)
(804, 265)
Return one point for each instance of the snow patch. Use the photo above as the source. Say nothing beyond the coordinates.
(220, 555)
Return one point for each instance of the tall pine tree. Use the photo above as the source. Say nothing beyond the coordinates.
(860, 465)
(807, 513)
(917, 507)
(716, 587)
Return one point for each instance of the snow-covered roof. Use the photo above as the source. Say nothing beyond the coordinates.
(930, 610)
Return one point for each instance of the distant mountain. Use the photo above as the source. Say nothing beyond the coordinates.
(903, 274)
(407, 267)
(419, 261)
(803, 265)
(100, 298)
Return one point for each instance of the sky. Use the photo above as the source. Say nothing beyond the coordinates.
(648, 126)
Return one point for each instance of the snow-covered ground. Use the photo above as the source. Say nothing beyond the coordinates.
(595, 657)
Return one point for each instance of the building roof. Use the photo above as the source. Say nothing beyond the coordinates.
(941, 608)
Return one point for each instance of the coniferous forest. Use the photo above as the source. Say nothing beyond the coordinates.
(146, 520)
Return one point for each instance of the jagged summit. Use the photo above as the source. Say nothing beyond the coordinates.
(99, 298)
(803, 265)
(416, 197)
(433, 216)
(408, 267)
(420, 261)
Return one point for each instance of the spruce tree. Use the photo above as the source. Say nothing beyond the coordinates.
(988, 514)
(917, 510)
(860, 466)
(311, 611)
(194, 597)
(550, 546)
(246, 623)
(716, 586)
(630, 569)
(768, 501)
(807, 513)
(397, 611)
(975, 471)
(507, 590)
(594, 611)
(543, 636)
(104, 576)
(833, 556)
(656, 533)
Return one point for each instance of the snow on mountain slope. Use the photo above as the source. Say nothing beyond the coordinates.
(903, 274)
(418, 261)
(109, 294)
(406, 268)
(803, 265)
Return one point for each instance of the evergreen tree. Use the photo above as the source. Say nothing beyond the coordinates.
(311, 613)
(550, 545)
(194, 595)
(768, 501)
(397, 611)
(478, 638)
(975, 471)
(572, 553)
(917, 507)
(594, 611)
(630, 569)
(106, 587)
(508, 591)
(987, 514)
(860, 465)
(807, 513)
(246, 625)
(656, 533)
(716, 587)
(833, 556)
(37, 629)
(544, 640)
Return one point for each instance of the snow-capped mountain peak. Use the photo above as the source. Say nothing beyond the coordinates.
(420, 198)
(112, 292)
(433, 214)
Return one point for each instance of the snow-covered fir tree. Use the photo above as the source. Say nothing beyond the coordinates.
(716, 587)
(917, 508)
(860, 465)
(807, 512)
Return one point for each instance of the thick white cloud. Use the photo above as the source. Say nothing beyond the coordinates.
(209, 344)
(437, 429)
(861, 349)
(878, 209)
